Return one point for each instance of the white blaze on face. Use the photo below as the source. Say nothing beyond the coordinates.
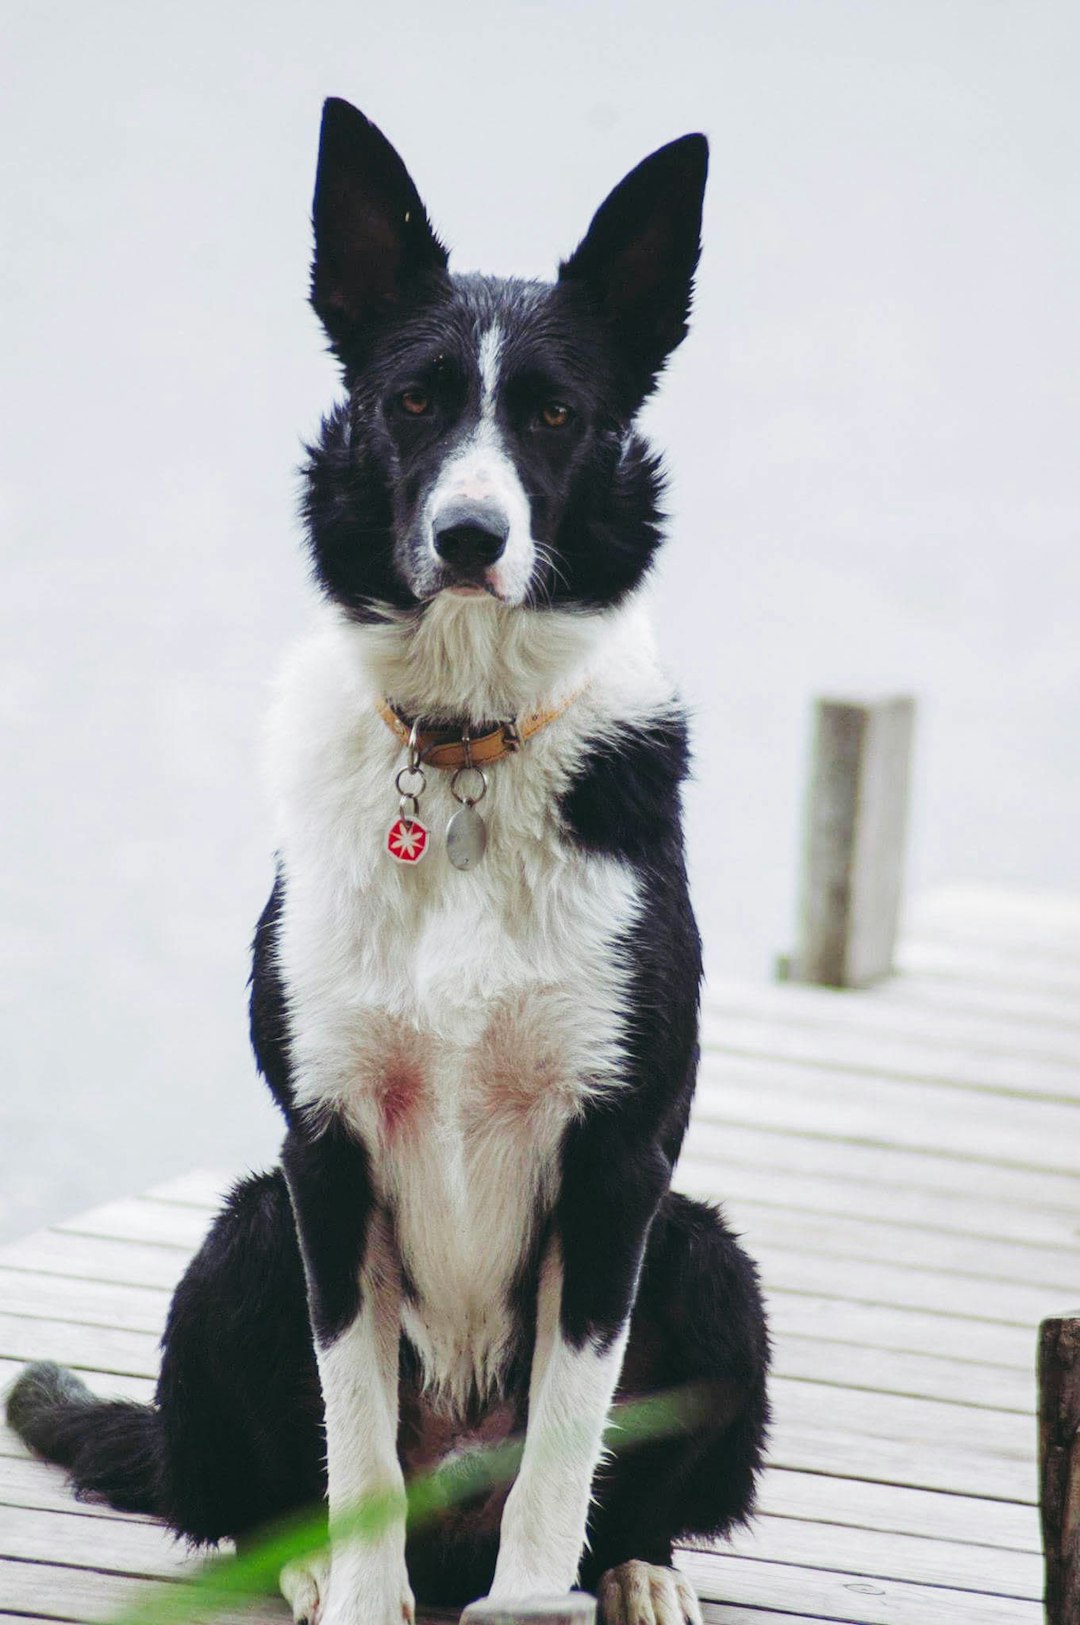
(482, 471)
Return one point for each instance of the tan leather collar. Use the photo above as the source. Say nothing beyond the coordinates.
(447, 746)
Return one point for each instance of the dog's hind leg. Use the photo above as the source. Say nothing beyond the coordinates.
(234, 1440)
(238, 1397)
(698, 1324)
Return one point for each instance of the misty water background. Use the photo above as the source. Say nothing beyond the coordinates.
(872, 435)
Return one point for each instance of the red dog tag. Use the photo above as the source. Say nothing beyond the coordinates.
(407, 840)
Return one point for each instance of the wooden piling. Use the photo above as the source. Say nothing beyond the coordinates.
(854, 837)
(1059, 1465)
(574, 1608)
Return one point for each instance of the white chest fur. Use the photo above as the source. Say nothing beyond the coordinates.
(457, 1020)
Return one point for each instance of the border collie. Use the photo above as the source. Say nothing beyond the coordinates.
(475, 985)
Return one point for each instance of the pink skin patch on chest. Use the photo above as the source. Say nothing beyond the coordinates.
(522, 1063)
(519, 1093)
(401, 1096)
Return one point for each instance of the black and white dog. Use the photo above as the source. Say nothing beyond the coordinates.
(484, 1057)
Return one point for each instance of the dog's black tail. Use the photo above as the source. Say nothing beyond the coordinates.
(111, 1447)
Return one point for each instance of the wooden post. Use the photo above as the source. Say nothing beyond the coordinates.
(1059, 1465)
(575, 1608)
(855, 829)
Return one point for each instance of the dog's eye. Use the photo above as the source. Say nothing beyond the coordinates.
(415, 401)
(555, 414)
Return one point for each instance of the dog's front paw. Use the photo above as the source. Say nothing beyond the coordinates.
(363, 1593)
(304, 1585)
(639, 1593)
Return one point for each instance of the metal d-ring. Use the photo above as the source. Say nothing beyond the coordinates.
(413, 773)
(412, 770)
(469, 767)
(468, 801)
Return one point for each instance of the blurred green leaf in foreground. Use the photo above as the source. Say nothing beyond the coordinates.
(226, 1584)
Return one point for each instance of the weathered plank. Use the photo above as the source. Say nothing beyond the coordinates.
(888, 1326)
(805, 1446)
(892, 1556)
(859, 1281)
(705, 1165)
(989, 1069)
(1001, 1005)
(862, 1504)
(25, 1482)
(114, 1545)
(60, 1297)
(97, 1258)
(723, 1614)
(53, 1591)
(890, 1014)
(852, 1598)
(23, 1619)
(874, 1239)
(841, 1155)
(892, 1371)
(934, 1423)
(137, 1218)
(930, 1118)
(57, 1592)
(93, 1348)
(990, 967)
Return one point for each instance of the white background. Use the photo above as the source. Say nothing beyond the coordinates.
(872, 433)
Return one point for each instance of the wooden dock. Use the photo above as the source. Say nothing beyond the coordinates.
(904, 1165)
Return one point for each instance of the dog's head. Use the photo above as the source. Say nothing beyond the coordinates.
(486, 443)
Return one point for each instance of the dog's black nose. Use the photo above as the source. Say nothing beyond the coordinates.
(470, 535)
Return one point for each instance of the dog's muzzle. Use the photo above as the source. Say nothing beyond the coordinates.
(468, 537)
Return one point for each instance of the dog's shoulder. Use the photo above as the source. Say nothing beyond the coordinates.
(622, 792)
(623, 800)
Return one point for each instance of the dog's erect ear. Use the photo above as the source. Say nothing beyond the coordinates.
(638, 257)
(372, 233)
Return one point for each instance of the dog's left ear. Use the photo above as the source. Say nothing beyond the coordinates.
(638, 257)
(372, 234)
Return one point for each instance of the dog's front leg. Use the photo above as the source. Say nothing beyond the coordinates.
(588, 1283)
(570, 1392)
(354, 1294)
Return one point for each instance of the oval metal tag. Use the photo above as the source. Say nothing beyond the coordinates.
(466, 838)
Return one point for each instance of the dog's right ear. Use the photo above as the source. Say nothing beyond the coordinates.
(372, 234)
